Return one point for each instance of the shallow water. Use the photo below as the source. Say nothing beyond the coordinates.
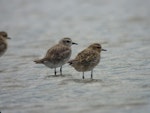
(121, 81)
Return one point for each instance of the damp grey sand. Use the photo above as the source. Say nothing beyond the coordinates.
(121, 81)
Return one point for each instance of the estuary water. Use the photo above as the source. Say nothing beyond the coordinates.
(122, 79)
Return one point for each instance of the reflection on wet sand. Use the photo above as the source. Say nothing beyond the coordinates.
(121, 82)
(81, 81)
(59, 75)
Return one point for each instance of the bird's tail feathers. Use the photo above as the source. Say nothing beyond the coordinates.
(39, 61)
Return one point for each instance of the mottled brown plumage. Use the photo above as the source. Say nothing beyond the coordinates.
(3, 42)
(87, 59)
(57, 55)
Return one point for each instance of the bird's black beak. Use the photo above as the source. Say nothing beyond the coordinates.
(8, 37)
(74, 43)
(104, 50)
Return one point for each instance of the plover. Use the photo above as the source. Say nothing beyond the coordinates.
(87, 59)
(57, 55)
(3, 42)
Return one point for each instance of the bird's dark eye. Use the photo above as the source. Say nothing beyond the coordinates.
(4, 35)
(68, 41)
(98, 47)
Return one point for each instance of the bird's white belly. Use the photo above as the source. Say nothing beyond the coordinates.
(55, 65)
(51, 65)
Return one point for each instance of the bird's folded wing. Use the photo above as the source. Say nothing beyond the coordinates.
(86, 56)
(58, 52)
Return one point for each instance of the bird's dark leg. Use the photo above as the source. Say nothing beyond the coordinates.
(55, 71)
(83, 76)
(61, 70)
(91, 74)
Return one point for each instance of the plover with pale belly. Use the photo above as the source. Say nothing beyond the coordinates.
(57, 55)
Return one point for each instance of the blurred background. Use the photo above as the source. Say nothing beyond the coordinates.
(121, 81)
